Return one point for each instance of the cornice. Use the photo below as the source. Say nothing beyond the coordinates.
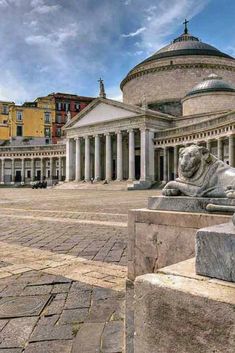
(168, 67)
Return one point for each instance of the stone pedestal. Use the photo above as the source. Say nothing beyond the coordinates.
(177, 311)
(161, 238)
(157, 239)
(215, 252)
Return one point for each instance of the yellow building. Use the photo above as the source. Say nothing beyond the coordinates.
(32, 121)
(4, 120)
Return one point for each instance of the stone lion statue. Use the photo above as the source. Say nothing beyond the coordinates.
(201, 174)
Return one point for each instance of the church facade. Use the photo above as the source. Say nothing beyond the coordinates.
(183, 94)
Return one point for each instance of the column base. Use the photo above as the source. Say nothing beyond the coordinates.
(97, 179)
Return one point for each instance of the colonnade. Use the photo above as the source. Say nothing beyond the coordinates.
(29, 169)
(168, 169)
(112, 155)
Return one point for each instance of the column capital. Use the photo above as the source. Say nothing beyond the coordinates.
(117, 132)
(77, 138)
(107, 134)
(144, 129)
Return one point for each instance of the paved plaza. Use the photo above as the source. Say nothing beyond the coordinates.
(63, 268)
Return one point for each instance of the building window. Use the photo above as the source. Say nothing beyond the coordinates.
(58, 119)
(77, 107)
(19, 115)
(47, 117)
(29, 174)
(47, 141)
(19, 130)
(5, 109)
(47, 132)
(58, 132)
(59, 106)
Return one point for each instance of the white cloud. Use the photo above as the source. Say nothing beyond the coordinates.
(3, 3)
(134, 34)
(162, 19)
(43, 9)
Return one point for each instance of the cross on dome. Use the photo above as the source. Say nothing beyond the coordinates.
(185, 23)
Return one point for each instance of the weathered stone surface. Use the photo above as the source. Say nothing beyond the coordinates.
(183, 314)
(48, 333)
(215, 252)
(89, 338)
(161, 238)
(17, 332)
(129, 317)
(49, 347)
(185, 203)
(112, 339)
(22, 306)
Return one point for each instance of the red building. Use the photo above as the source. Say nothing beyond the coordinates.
(65, 103)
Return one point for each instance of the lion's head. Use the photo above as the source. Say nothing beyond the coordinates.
(192, 159)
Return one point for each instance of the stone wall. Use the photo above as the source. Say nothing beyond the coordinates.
(208, 102)
(172, 79)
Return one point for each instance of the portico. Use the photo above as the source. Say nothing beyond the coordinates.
(110, 140)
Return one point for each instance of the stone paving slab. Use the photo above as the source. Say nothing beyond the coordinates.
(70, 247)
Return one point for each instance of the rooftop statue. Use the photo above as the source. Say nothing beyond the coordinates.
(201, 174)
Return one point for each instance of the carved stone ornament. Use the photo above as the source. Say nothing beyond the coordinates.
(201, 174)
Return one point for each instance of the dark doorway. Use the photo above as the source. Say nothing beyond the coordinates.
(38, 175)
(137, 167)
(114, 170)
(18, 176)
(161, 167)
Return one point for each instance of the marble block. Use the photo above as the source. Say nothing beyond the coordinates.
(215, 252)
(177, 311)
(186, 204)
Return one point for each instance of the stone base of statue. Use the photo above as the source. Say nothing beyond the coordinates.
(178, 311)
(191, 204)
(158, 238)
(215, 252)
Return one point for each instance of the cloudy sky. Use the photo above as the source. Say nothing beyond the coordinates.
(66, 45)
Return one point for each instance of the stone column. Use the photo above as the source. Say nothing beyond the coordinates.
(60, 169)
(13, 170)
(32, 170)
(42, 169)
(165, 164)
(119, 157)
(144, 153)
(208, 145)
(220, 148)
(51, 168)
(131, 155)
(78, 160)
(70, 175)
(108, 157)
(87, 159)
(3, 171)
(22, 170)
(97, 158)
(176, 151)
(231, 150)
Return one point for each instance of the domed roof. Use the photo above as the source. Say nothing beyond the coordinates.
(212, 83)
(186, 45)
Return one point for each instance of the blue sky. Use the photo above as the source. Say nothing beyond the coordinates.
(66, 45)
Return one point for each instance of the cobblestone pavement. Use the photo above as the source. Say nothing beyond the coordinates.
(62, 269)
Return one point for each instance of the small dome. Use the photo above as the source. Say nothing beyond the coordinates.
(212, 83)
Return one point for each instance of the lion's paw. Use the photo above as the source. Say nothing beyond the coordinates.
(170, 192)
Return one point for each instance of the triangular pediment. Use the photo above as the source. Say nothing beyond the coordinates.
(103, 112)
